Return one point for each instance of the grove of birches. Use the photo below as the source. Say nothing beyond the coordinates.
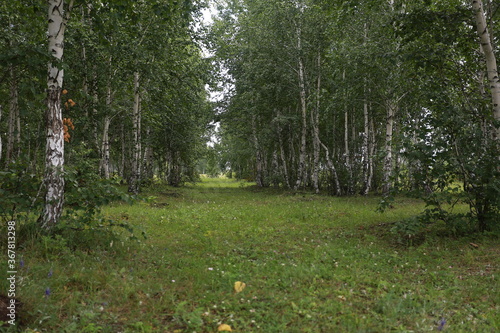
(345, 98)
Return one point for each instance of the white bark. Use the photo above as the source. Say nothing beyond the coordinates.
(105, 148)
(105, 145)
(135, 175)
(13, 131)
(491, 63)
(54, 155)
(303, 139)
(367, 159)
(147, 163)
(315, 127)
(372, 142)
(388, 161)
(284, 167)
(347, 153)
(0, 135)
(332, 169)
(275, 168)
(259, 172)
(95, 102)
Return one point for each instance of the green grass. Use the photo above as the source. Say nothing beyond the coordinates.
(311, 263)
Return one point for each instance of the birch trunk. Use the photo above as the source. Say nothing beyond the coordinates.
(303, 139)
(347, 153)
(54, 153)
(284, 166)
(148, 157)
(275, 169)
(315, 126)
(105, 148)
(293, 153)
(95, 102)
(1, 108)
(124, 151)
(135, 171)
(491, 63)
(372, 143)
(13, 129)
(105, 145)
(333, 170)
(366, 150)
(388, 162)
(259, 177)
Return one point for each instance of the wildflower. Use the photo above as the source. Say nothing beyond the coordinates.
(210, 268)
(50, 273)
(21, 263)
(442, 322)
(47, 292)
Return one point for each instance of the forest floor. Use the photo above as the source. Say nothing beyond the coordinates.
(309, 263)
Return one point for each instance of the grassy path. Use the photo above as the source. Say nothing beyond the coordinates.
(310, 263)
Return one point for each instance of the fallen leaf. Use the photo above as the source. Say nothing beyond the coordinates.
(239, 286)
(224, 328)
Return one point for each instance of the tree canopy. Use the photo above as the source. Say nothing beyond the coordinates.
(345, 97)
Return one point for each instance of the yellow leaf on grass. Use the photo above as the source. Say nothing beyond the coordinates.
(224, 328)
(239, 286)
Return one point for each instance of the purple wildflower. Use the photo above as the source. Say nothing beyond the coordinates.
(50, 273)
(21, 263)
(47, 292)
(442, 322)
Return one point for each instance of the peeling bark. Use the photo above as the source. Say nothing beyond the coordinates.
(54, 151)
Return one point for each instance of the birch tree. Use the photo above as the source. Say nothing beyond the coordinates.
(135, 175)
(491, 62)
(54, 154)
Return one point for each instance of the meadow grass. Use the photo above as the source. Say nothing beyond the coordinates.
(311, 263)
